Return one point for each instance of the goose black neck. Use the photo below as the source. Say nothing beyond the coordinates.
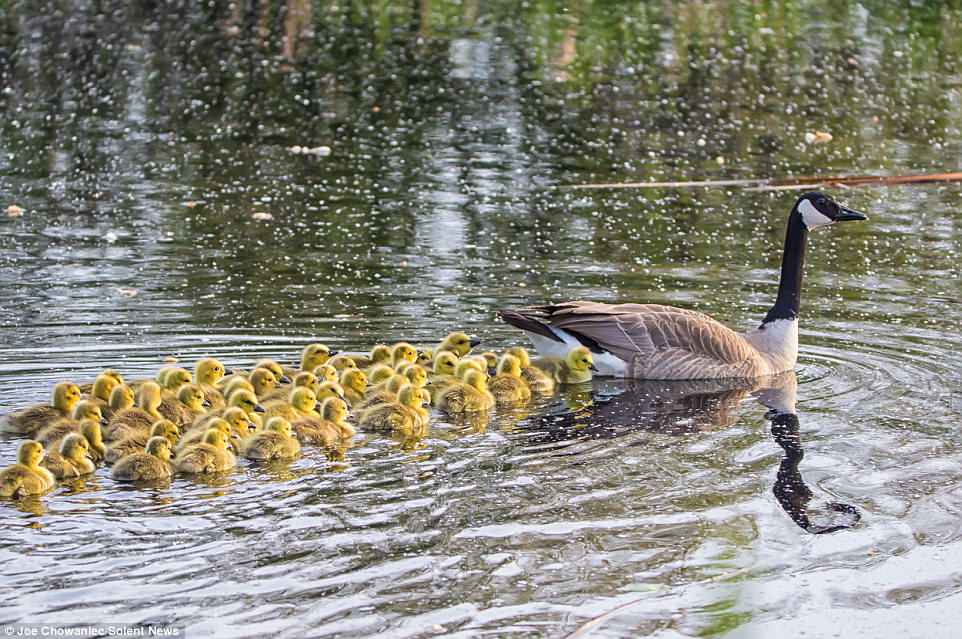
(790, 283)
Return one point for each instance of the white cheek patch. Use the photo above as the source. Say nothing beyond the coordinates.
(811, 216)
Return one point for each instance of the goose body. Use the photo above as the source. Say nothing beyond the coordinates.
(653, 341)
(27, 476)
(151, 464)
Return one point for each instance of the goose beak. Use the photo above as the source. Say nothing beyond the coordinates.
(259, 409)
(333, 353)
(284, 379)
(104, 421)
(593, 367)
(475, 342)
(848, 215)
(206, 403)
(251, 426)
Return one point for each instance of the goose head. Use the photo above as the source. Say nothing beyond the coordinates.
(103, 386)
(381, 354)
(445, 363)
(522, 354)
(314, 355)
(193, 398)
(476, 379)
(110, 372)
(303, 399)
(509, 365)
(279, 425)
(425, 357)
(469, 364)
(238, 421)
(403, 352)
(275, 369)
(239, 383)
(30, 454)
(246, 401)
(166, 429)
(86, 409)
(326, 373)
(217, 438)
(580, 359)
(334, 409)
(149, 397)
(263, 381)
(416, 375)
(208, 371)
(491, 359)
(121, 398)
(74, 447)
(306, 380)
(329, 389)
(65, 397)
(459, 343)
(816, 209)
(177, 377)
(354, 379)
(159, 447)
(91, 431)
(410, 396)
(379, 373)
(340, 362)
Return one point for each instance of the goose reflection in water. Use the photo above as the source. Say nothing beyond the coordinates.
(682, 407)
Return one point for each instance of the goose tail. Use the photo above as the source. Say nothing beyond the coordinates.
(527, 319)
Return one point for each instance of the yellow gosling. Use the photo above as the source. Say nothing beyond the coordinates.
(300, 405)
(491, 360)
(403, 352)
(445, 363)
(314, 355)
(329, 389)
(538, 381)
(209, 456)
(383, 392)
(207, 373)
(575, 368)
(139, 418)
(425, 358)
(379, 373)
(276, 441)
(88, 389)
(52, 436)
(30, 420)
(121, 398)
(27, 476)
(458, 343)
(136, 443)
(150, 464)
(330, 429)
(354, 383)
(84, 410)
(402, 417)
(174, 379)
(508, 388)
(326, 373)
(189, 404)
(380, 354)
(469, 396)
(70, 461)
(101, 389)
(340, 362)
(416, 375)
(275, 370)
(301, 380)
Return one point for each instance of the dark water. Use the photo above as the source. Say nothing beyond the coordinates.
(140, 140)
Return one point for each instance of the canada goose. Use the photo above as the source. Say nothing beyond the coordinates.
(508, 388)
(470, 396)
(302, 379)
(53, 435)
(276, 441)
(416, 375)
(121, 397)
(262, 382)
(403, 352)
(196, 435)
(329, 429)
(326, 373)
(186, 407)
(90, 389)
(401, 417)
(538, 381)
(300, 405)
(207, 373)
(210, 456)
(151, 464)
(384, 392)
(247, 402)
(101, 389)
(445, 364)
(136, 443)
(379, 354)
(425, 358)
(85, 410)
(312, 356)
(379, 373)
(340, 362)
(442, 382)
(574, 368)
(458, 343)
(275, 369)
(70, 460)
(140, 418)
(354, 383)
(174, 379)
(329, 389)
(27, 476)
(30, 420)
(651, 341)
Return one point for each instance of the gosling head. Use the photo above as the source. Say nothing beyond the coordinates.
(275, 369)
(509, 365)
(340, 362)
(218, 426)
(263, 381)
(239, 383)
(87, 409)
(65, 397)
(303, 399)
(580, 359)
(381, 354)
(379, 373)
(490, 358)
(476, 379)
(425, 396)
(91, 431)
(159, 447)
(279, 425)
(334, 409)
(445, 363)
(416, 375)
(103, 386)
(326, 373)
(306, 380)
(395, 383)
(216, 438)
(403, 352)
(121, 398)
(177, 377)
(193, 398)
(329, 389)
(459, 343)
(314, 355)
(425, 357)
(30, 453)
(110, 372)
(149, 397)
(816, 209)
(208, 371)
(246, 401)
(410, 396)
(354, 379)
(166, 429)
(522, 354)
(238, 420)
(469, 364)
(74, 447)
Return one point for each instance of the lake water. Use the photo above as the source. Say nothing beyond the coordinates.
(140, 143)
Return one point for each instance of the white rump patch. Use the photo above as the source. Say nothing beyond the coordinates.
(607, 364)
(812, 218)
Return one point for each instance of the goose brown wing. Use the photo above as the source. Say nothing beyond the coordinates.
(656, 341)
